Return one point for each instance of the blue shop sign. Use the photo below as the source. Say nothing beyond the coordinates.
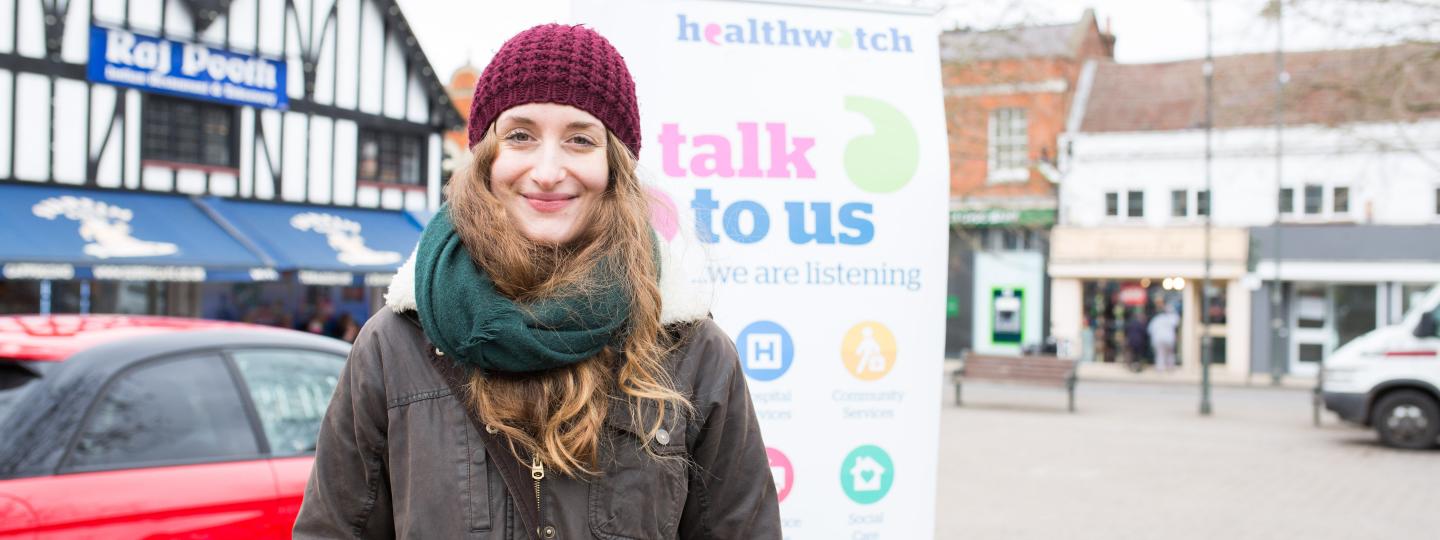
(177, 68)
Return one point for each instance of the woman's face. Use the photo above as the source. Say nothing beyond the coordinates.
(550, 169)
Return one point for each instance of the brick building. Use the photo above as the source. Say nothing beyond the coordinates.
(1007, 98)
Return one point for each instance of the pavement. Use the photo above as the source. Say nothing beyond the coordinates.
(1137, 461)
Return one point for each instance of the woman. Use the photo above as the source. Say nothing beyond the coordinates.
(531, 378)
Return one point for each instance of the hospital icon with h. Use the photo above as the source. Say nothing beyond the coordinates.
(765, 349)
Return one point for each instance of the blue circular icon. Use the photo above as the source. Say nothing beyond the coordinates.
(765, 350)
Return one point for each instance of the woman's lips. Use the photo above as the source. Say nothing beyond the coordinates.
(548, 202)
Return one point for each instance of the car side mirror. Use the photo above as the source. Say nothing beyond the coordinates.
(1426, 327)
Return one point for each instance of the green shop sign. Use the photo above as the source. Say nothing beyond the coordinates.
(1000, 217)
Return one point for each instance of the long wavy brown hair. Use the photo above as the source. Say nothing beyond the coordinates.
(559, 414)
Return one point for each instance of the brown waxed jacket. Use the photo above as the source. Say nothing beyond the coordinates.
(398, 457)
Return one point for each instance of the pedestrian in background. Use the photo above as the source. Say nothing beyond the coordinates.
(1162, 337)
(536, 374)
(1137, 341)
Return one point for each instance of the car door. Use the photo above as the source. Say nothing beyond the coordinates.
(290, 390)
(165, 451)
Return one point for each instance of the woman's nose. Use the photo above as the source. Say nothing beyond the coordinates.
(549, 168)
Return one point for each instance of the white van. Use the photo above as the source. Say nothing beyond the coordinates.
(1389, 378)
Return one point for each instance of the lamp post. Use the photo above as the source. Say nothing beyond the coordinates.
(1205, 349)
(1277, 319)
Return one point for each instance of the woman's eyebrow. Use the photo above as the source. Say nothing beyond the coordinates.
(521, 120)
(582, 125)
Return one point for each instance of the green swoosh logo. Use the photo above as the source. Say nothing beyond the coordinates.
(886, 160)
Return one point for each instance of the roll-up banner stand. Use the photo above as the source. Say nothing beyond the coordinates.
(806, 141)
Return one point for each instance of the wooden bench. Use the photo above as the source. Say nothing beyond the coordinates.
(1028, 370)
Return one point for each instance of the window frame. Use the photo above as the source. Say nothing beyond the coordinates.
(1181, 196)
(1319, 190)
(147, 152)
(1202, 210)
(1286, 195)
(1003, 170)
(1130, 204)
(252, 411)
(64, 465)
(1112, 211)
(380, 134)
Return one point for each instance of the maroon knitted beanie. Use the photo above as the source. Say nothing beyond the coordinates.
(555, 63)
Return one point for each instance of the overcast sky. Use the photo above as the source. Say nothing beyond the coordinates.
(452, 31)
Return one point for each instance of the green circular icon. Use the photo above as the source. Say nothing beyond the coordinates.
(887, 159)
(866, 474)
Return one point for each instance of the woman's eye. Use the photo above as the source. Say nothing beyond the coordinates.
(519, 136)
(583, 140)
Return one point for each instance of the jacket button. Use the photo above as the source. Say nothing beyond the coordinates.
(662, 436)
(491, 430)
(439, 352)
(549, 532)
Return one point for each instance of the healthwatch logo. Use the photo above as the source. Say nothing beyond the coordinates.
(785, 33)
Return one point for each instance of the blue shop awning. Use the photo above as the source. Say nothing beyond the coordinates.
(325, 245)
(72, 233)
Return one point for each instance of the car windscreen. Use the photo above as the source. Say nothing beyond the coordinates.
(14, 379)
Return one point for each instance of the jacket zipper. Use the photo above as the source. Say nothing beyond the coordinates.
(537, 472)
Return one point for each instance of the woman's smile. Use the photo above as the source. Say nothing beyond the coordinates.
(549, 202)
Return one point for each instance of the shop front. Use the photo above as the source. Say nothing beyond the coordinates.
(1335, 283)
(997, 287)
(144, 119)
(335, 262)
(71, 250)
(1110, 284)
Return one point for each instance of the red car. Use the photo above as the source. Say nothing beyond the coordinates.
(152, 427)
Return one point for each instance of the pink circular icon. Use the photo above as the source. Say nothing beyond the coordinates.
(782, 470)
(664, 217)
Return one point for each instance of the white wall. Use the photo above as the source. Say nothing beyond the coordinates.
(1394, 185)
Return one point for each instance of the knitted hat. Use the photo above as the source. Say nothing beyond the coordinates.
(554, 63)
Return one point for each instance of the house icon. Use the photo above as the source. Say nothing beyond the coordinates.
(866, 474)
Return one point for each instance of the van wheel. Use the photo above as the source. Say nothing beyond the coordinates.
(1407, 419)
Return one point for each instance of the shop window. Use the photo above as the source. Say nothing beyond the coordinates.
(1008, 149)
(1287, 200)
(1355, 311)
(1179, 200)
(1312, 352)
(390, 158)
(1218, 347)
(1313, 196)
(1341, 204)
(1202, 202)
(181, 131)
(1135, 204)
(1112, 204)
(1411, 294)
(1215, 303)
(1011, 240)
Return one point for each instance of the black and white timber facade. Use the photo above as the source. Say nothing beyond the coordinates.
(356, 82)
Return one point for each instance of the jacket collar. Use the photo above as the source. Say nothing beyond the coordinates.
(685, 294)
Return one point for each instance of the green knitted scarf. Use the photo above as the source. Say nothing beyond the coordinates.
(466, 318)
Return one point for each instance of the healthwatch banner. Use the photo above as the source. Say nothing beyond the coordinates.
(178, 68)
(806, 146)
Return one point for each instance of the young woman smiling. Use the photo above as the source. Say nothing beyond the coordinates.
(544, 370)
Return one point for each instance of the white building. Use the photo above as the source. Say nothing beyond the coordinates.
(1356, 191)
(251, 113)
